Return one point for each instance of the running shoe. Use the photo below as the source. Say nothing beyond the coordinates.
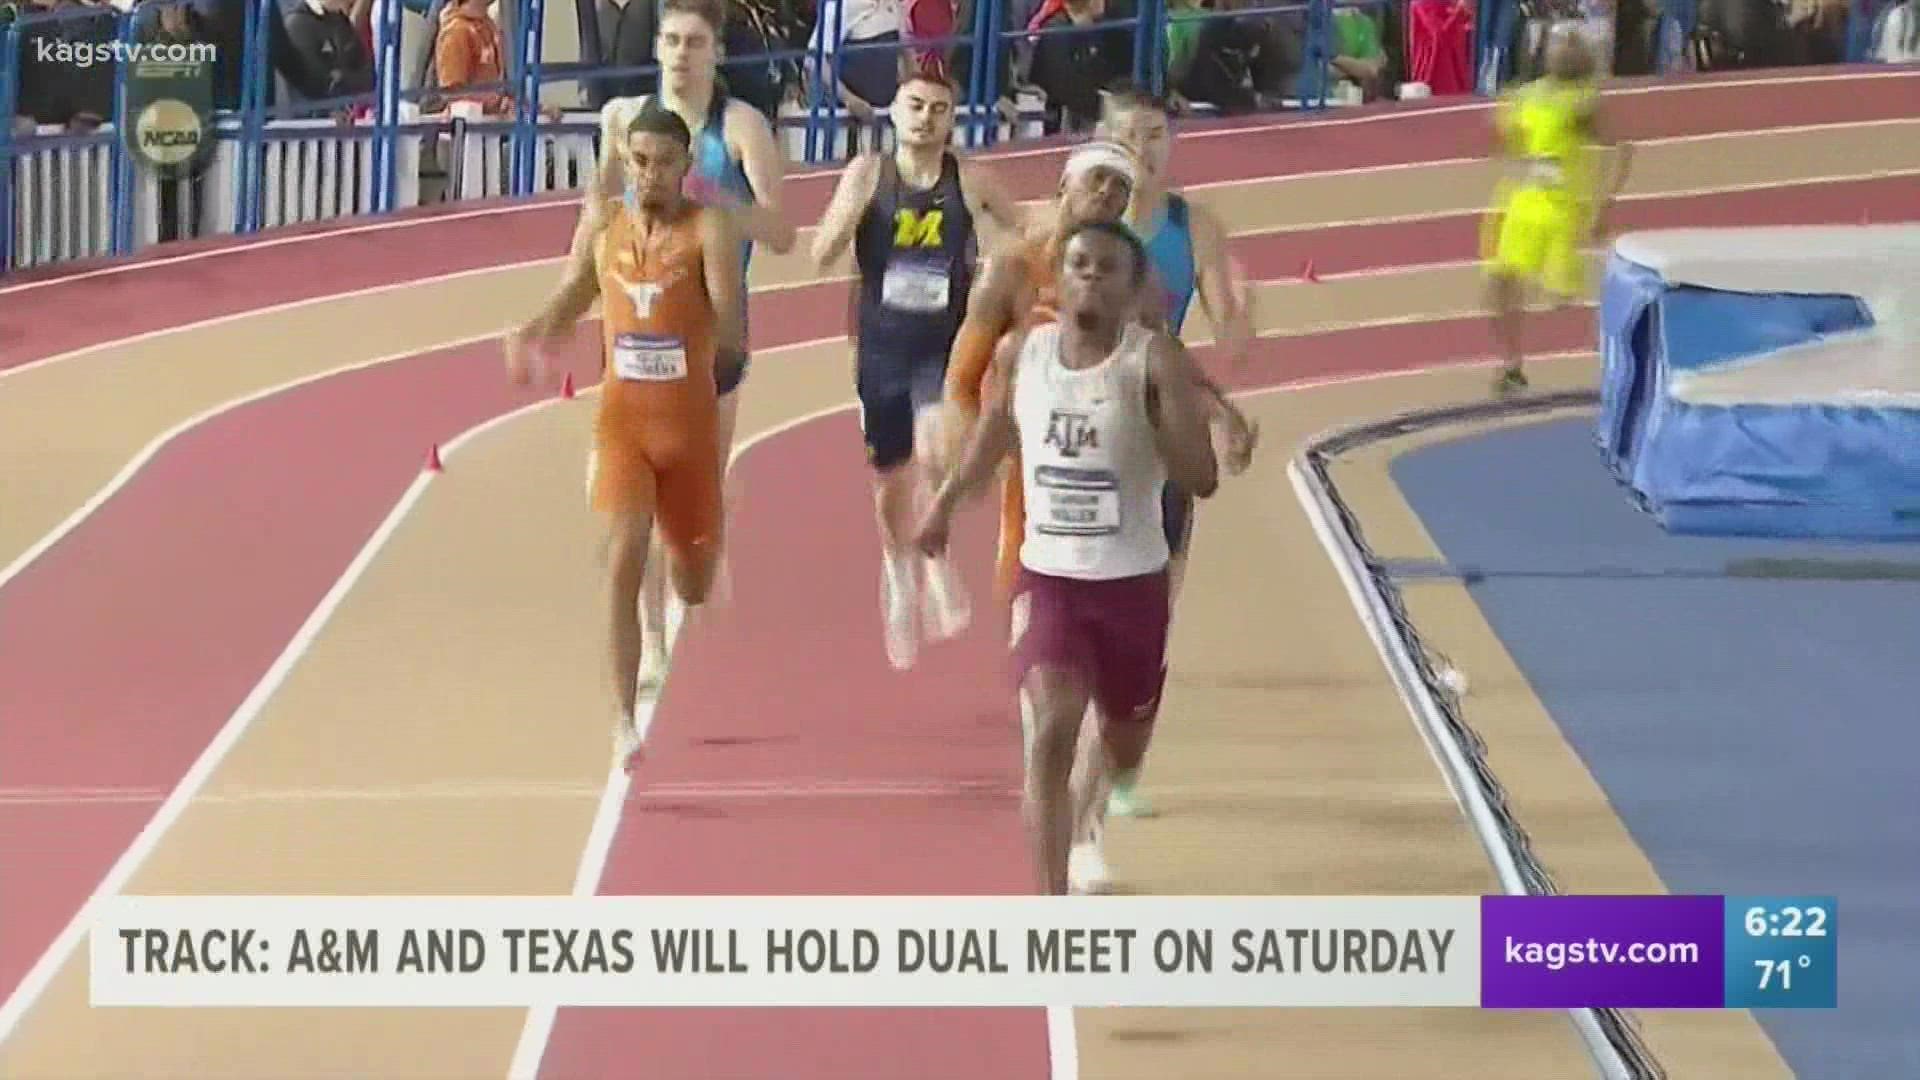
(898, 613)
(948, 610)
(1087, 872)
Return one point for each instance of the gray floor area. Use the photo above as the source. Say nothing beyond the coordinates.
(1751, 707)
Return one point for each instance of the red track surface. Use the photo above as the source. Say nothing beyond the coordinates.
(170, 543)
(72, 313)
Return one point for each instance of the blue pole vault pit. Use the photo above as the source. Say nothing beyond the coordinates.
(1766, 382)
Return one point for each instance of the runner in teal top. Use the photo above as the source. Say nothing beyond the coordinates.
(1170, 246)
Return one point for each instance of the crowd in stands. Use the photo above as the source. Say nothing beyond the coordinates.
(1239, 63)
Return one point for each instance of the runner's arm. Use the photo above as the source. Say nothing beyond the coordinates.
(1227, 301)
(1180, 420)
(850, 200)
(994, 434)
(990, 314)
(987, 197)
(720, 249)
(762, 221)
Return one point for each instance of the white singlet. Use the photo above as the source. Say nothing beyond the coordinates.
(1091, 470)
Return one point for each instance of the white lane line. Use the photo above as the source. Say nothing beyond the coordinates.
(56, 955)
(537, 1028)
(147, 453)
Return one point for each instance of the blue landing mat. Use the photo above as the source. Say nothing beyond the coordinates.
(1756, 734)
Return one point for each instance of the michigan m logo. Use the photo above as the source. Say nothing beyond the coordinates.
(914, 230)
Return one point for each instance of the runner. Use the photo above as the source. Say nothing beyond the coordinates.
(1187, 245)
(1549, 204)
(667, 274)
(1104, 413)
(912, 216)
(737, 166)
(1017, 290)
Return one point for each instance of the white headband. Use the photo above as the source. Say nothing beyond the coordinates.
(1100, 155)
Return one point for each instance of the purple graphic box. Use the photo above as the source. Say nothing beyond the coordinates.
(1628, 952)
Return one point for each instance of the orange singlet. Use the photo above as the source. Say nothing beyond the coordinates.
(656, 437)
(968, 382)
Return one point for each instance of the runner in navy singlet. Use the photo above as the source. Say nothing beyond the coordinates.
(915, 219)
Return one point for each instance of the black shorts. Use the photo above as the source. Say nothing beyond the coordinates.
(1176, 516)
(728, 377)
(894, 385)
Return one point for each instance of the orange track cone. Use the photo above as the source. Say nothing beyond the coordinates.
(1308, 273)
(433, 458)
(566, 386)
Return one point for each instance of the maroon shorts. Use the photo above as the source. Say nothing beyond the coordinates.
(1113, 633)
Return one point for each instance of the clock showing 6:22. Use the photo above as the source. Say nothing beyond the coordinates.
(1781, 952)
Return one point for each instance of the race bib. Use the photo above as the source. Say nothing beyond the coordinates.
(917, 287)
(1544, 172)
(646, 358)
(1077, 502)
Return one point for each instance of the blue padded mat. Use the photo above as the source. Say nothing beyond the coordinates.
(1756, 735)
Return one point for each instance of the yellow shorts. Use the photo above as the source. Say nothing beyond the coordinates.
(1537, 235)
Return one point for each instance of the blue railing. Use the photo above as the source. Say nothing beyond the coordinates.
(380, 152)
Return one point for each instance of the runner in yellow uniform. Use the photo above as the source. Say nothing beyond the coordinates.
(1547, 206)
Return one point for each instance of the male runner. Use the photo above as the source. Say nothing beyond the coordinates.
(1549, 204)
(737, 166)
(667, 274)
(1187, 245)
(1018, 290)
(912, 217)
(1104, 414)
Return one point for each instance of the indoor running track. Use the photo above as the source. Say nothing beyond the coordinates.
(247, 646)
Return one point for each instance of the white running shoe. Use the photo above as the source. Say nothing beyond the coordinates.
(948, 611)
(653, 665)
(898, 614)
(627, 741)
(1087, 873)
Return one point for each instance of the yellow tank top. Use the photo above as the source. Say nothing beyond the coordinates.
(1545, 123)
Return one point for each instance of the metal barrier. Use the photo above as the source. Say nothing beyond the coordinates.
(76, 195)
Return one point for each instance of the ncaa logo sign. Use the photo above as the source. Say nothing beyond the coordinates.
(169, 132)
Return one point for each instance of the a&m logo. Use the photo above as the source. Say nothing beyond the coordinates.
(1070, 433)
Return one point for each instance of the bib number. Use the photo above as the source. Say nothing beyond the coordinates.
(1077, 502)
(916, 287)
(1544, 172)
(642, 358)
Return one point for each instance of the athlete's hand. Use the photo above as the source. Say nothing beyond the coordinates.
(526, 358)
(931, 537)
(1242, 437)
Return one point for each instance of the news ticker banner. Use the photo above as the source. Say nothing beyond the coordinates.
(1679, 952)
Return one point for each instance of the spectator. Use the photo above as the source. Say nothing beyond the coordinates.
(1072, 68)
(868, 77)
(755, 28)
(468, 51)
(929, 20)
(1896, 34)
(326, 54)
(1816, 31)
(1733, 34)
(1358, 55)
(57, 90)
(626, 39)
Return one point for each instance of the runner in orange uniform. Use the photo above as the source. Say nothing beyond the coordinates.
(667, 273)
(1018, 291)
